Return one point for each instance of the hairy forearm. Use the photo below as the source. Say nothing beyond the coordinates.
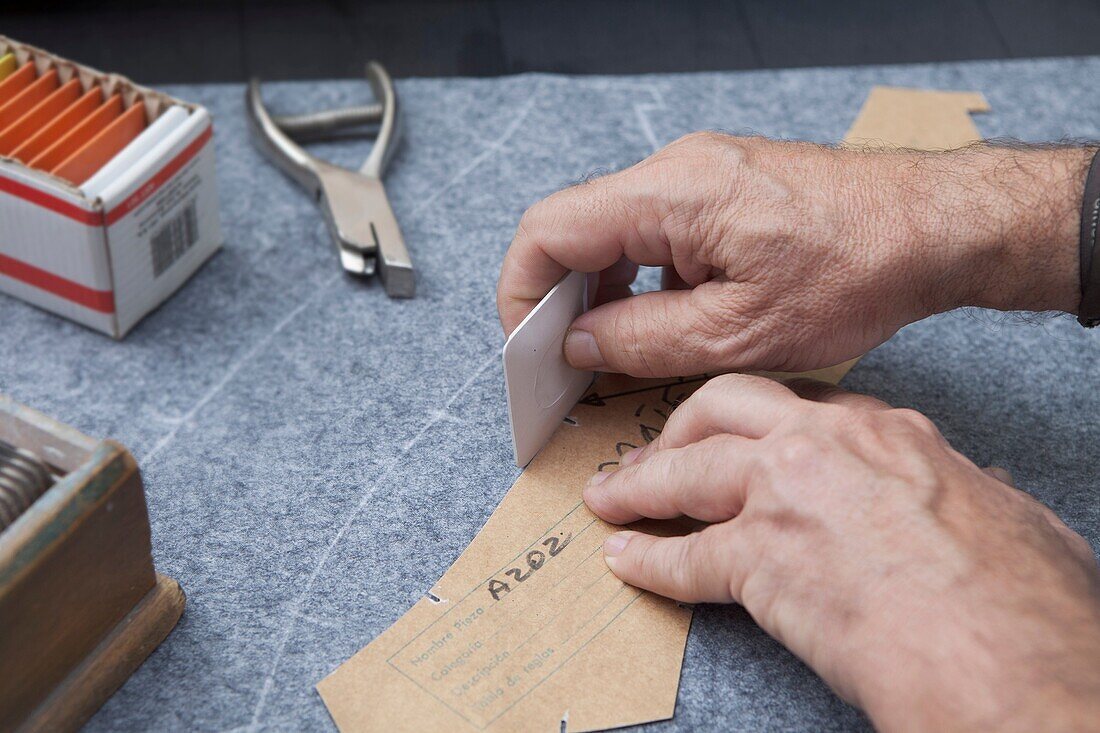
(999, 223)
(1021, 661)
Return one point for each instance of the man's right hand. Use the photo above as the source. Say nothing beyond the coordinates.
(793, 256)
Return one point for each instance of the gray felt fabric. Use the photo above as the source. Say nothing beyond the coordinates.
(316, 455)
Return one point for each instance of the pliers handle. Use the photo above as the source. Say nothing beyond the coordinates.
(355, 207)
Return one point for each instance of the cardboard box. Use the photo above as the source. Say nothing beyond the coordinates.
(106, 262)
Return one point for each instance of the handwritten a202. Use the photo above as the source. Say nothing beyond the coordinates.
(533, 560)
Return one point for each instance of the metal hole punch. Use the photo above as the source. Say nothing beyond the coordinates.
(355, 207)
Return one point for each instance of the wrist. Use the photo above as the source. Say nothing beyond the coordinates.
(997, 227)
(1029, 666)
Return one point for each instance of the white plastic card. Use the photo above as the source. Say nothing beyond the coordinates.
(542, 388)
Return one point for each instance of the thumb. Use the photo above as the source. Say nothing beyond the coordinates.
(695, 568)
(656, 334)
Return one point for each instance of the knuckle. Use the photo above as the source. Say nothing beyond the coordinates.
(715, 388)
(855, 421)
(689, 563)
(655, 565)
(916, 419)
(600, 499)
(796, 452)
(712, 391)
(717, 448)
(662, 473)
(864, 427)
(707, 149)
(529, 221)
(717, 385)
(720, 389)
(722, 342)
(719, 308)
(634, 341)
(729, 384)
(708, 338)
(721, 492)
(704, 138)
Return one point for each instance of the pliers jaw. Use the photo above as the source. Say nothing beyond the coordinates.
(364, 228)
(356, 210)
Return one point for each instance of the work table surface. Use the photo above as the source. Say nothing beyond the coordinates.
(316, 455)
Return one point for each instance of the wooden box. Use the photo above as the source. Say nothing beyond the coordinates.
(81, 606)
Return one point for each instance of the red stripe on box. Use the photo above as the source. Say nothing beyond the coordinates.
(53, 203)
(97, 300)
(162, 176)
(102, 301)
(95, 218)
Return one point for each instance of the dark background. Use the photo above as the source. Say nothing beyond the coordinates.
(230, 40)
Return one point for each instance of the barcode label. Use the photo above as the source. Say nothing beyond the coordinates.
(174, 238)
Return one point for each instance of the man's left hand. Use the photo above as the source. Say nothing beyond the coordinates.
(924, 589)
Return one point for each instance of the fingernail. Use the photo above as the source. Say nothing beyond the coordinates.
(598, 478)
(630, 456)
(581, 350)
(615, 544)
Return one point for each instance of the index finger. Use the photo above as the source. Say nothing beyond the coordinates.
(709, 480)
(586, 228)
(747, 405)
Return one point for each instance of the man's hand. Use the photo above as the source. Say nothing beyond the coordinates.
(793, 256)
(923, 589)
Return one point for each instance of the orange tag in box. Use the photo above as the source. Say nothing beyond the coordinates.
(38, 117)
(79, 135)
(16, 82)
(23, 102)
(81, 165)
(108, 256)
(60, 127)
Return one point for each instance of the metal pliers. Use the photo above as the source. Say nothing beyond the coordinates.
(355, 206)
